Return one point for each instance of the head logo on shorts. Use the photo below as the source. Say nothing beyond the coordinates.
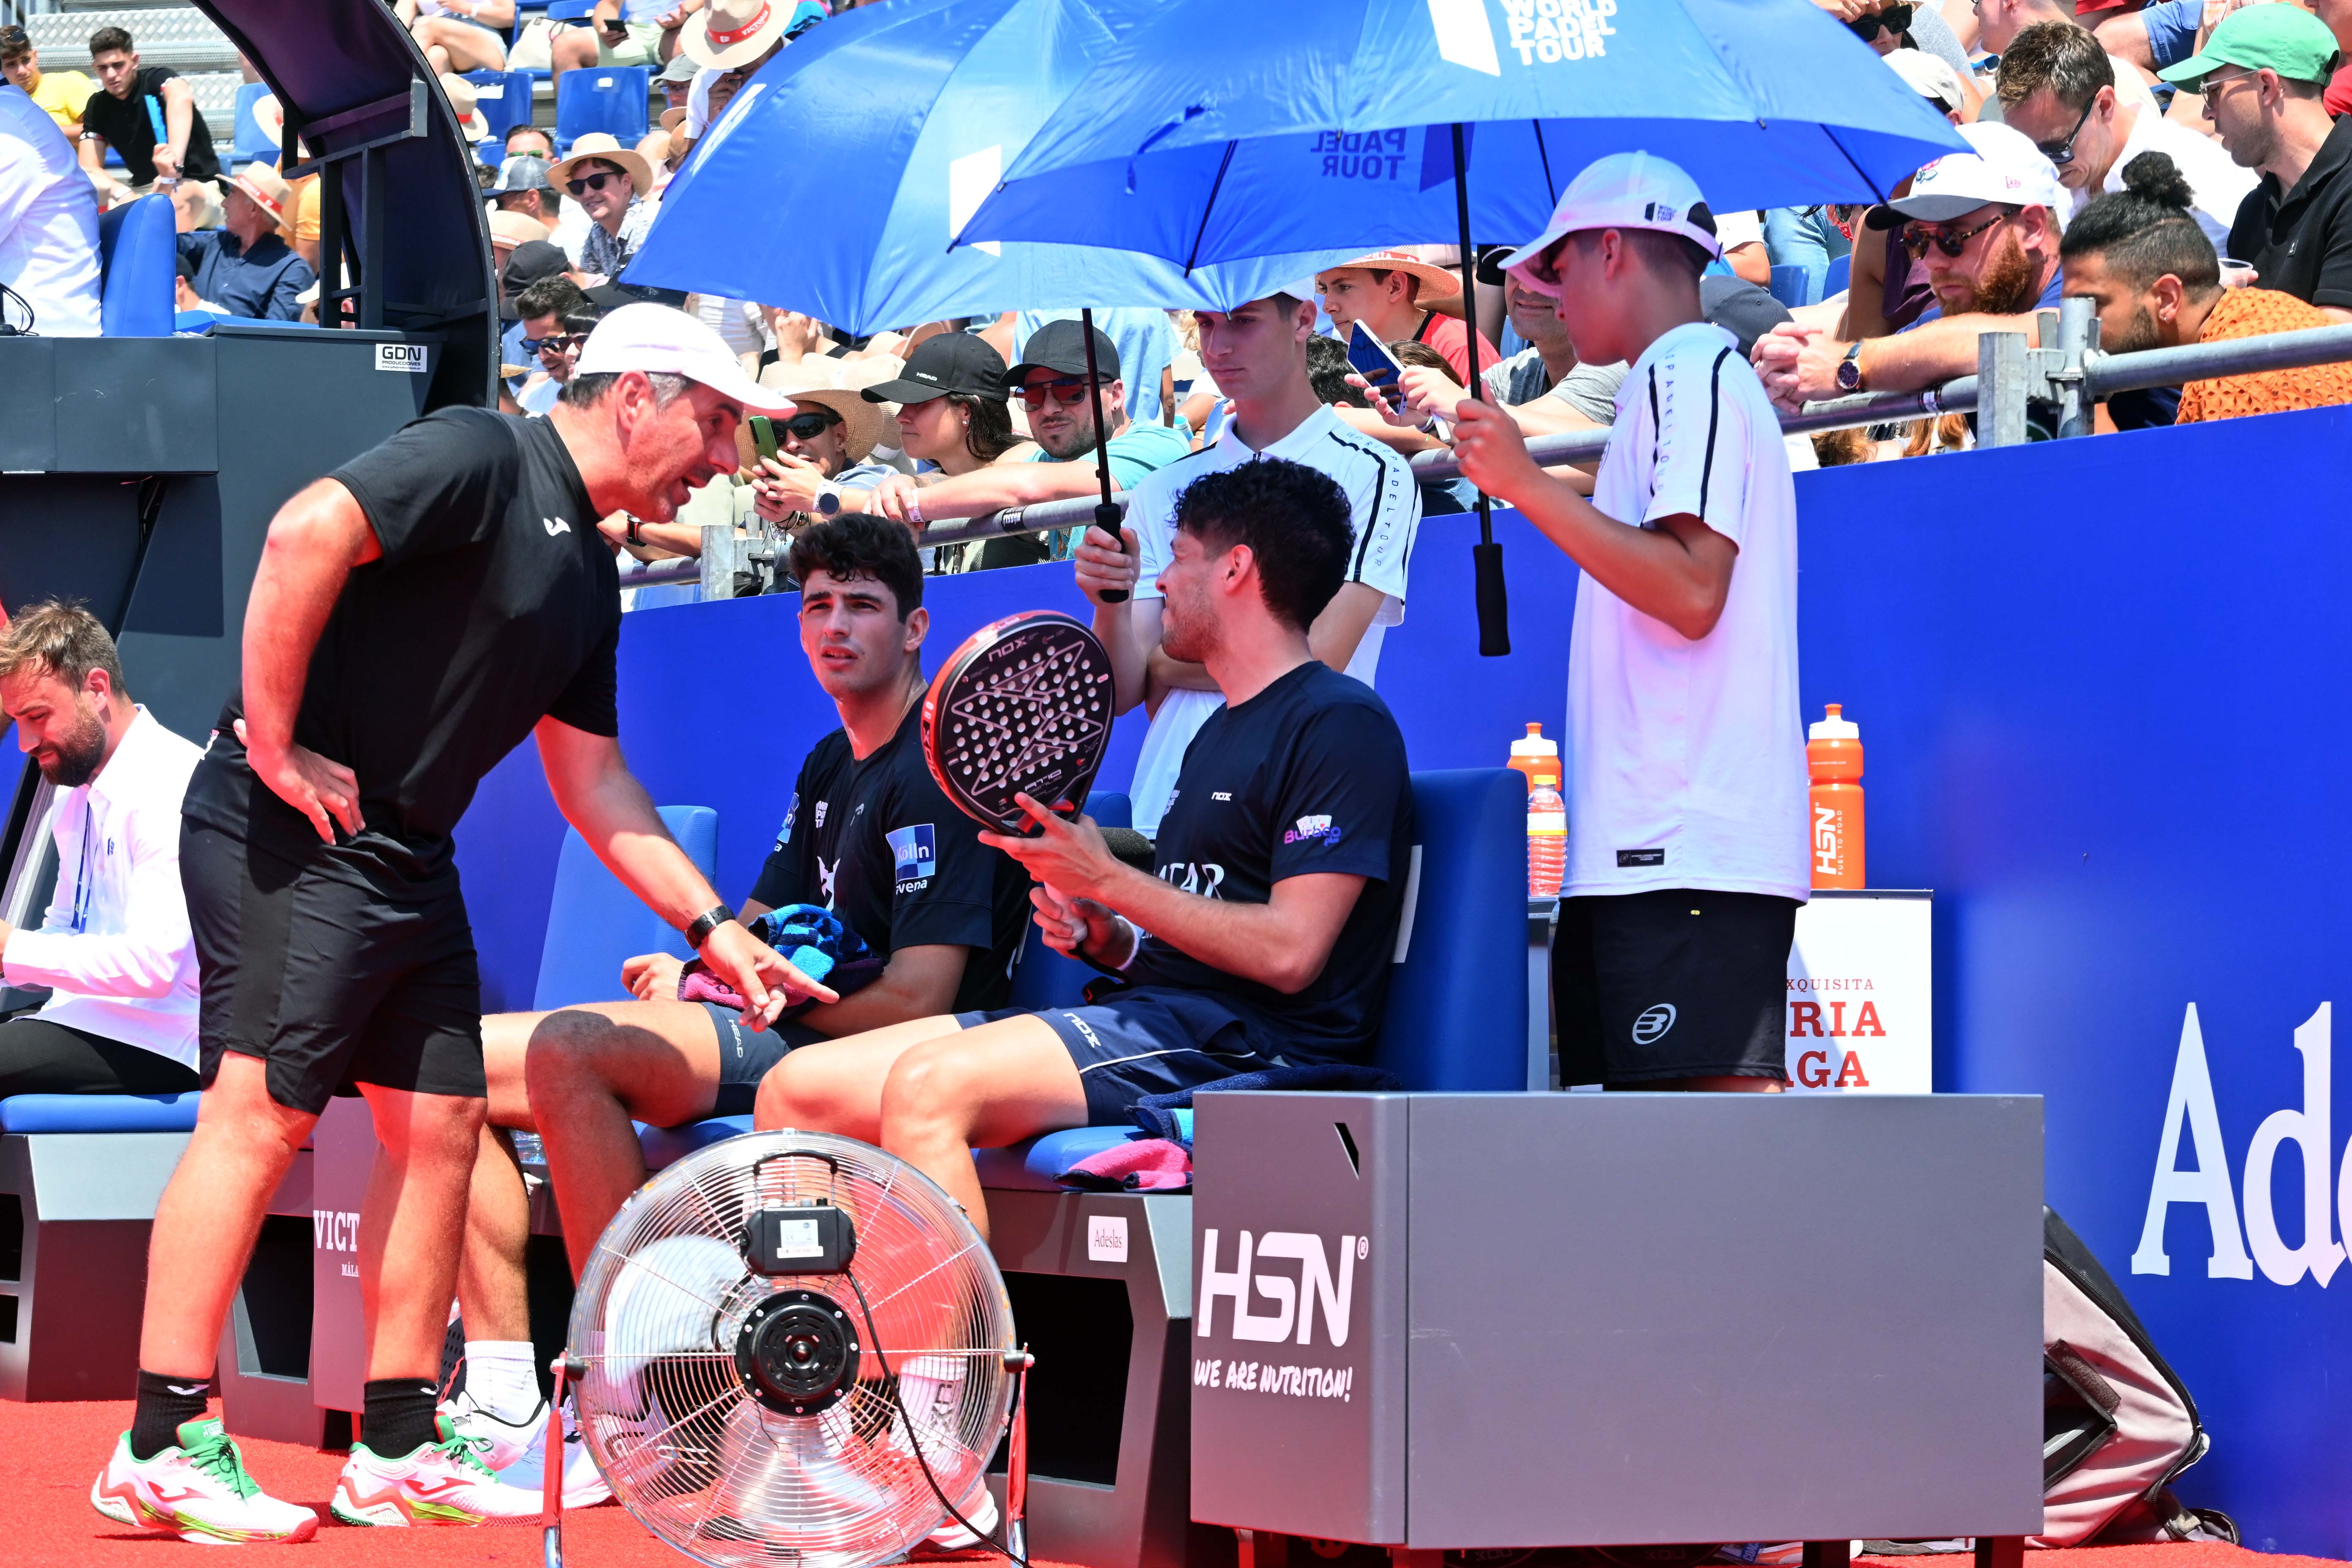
(916, 850)
(1653, 1022)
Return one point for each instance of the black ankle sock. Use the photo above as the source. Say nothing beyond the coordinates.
(398, 1418)
(163, 1403)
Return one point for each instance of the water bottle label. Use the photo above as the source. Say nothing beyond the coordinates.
(1547, 822)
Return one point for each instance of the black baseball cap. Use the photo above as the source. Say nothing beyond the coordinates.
(1062, 346)
(949, 361)
(1740, 307)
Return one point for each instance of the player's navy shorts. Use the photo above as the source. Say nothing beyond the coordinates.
(745, 1055)
(335, 969)
(1669, 984)
(1149, 1040)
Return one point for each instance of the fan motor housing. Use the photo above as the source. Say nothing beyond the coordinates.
(797, 1352)
(799, 1238)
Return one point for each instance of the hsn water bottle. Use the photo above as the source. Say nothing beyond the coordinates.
(1833, 757)
(1546, 838)
(1532, 754)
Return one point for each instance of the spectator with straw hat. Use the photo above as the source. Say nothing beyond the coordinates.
(465, 103)
(1391, 292)
(244, 264)
(508, 230)
(609, 183)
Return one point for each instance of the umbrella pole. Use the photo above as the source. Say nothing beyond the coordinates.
(1487, 556)
(1106, 510)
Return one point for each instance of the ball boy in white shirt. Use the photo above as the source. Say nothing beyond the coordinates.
(1685, 765)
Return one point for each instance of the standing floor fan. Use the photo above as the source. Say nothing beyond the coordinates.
(736, 1349)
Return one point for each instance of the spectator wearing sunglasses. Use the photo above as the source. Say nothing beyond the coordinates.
(1985, 225)
(608, 182)
(2264, 75)
(825, 447)
(1055, 394)
(554, 338)
(1886, 27)
(2058, 86)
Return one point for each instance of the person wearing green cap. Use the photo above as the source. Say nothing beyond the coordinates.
(2263, 74)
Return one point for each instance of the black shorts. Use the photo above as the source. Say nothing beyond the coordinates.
(38, 1056)
(336, 969)
(745, 1055)
(1149, 1040)
(1673, 983)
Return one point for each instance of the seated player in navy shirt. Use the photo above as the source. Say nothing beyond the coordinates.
(866, 835)
(1265, 935)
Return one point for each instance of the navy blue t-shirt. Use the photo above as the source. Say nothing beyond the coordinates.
(1307, 776)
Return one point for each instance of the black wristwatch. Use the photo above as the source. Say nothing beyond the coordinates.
(1848, 370)
(708, 921)
(634, 537)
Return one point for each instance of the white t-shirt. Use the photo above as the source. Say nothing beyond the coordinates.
(49, 223)
(1384, 509)
(2215, 181)
(1686, 760)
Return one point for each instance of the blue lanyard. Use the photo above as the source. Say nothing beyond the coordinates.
(83, 889)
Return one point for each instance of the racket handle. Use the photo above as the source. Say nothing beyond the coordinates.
(1494, 603)
(1107, 517)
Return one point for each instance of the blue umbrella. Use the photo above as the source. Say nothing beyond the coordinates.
(1218, 130)
(835, 180)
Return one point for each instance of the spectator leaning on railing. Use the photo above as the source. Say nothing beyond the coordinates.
(2058, 86)
(1985, 224)
(2156, 283)
(48, 225)
(180, 160)
(113, 946)
(2263, 74)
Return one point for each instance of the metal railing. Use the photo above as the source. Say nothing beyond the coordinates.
(2070, 373)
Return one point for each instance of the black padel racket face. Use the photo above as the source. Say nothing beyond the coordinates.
(1023, 708)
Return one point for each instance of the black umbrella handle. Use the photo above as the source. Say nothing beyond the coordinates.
(1486, 556)
(1105, 510)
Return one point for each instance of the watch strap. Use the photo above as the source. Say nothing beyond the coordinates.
(708, 921)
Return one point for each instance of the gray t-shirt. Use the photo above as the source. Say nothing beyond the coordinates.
(1930, 33)
(1591, 390)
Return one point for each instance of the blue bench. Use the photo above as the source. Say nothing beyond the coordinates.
(79, 1177)
(139, 258)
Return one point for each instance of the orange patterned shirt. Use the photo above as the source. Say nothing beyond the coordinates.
(2249, 313)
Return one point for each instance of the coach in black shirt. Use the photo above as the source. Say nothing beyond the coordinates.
(118, 116)
(1280, 874)
(415, 616)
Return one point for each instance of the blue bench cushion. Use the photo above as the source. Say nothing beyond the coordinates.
(1033, 1166)
(666, 1146)
(98, 1113)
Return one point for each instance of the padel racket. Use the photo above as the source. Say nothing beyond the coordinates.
(1023, 708)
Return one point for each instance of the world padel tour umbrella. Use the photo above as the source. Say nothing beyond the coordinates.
(836, 180)
(1225, 129)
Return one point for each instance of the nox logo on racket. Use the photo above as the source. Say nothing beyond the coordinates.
(1023, 708)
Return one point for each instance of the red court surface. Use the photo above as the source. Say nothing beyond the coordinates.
(54, 1450)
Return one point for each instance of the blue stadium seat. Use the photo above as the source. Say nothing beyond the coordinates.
(249, 145)
(594, 923)
(1457, 1009)
(504, 98)
(1793, 285)
(138, 250)
(611, 98)
(1841, 271)
(666, 1146)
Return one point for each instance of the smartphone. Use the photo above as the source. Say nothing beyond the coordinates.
(1369, 358)
(764, 436)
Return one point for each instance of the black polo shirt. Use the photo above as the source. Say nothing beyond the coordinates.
(125, 125)
(2301, 243)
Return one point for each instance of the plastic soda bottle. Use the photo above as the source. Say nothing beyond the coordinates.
(1547, 836)
(1833, 757)
(1532, 754)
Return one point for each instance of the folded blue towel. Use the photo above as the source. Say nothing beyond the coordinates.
(1170, 1115)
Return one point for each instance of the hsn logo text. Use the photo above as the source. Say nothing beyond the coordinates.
(1318, 1284)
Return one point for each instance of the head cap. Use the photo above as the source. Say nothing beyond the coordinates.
(2283, 39)
(1624, 191)
(1928, 77)
(659, 341)
(2006, 167)
(949, 361)
(1062, 346)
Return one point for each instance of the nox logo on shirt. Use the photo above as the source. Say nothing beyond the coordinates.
(1193, 877)
(916, 851)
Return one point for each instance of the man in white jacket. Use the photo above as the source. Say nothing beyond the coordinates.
(113, 947)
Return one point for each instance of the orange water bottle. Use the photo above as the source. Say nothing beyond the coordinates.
(1547, 836)
(1532, 754)
(1833, 757)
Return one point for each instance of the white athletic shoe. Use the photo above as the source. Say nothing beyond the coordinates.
(499, 1443)
(440, 1483)
(980, 1506)
(198, 1491)
(583, 1487)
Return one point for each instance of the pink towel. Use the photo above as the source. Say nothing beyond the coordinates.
(1139, 1165)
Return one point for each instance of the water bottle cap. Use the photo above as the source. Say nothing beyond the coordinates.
(1836, 727)
(1534, 744)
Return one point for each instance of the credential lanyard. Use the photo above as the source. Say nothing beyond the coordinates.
(83, 889)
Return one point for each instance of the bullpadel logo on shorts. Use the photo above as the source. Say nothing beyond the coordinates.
(1652, 1023)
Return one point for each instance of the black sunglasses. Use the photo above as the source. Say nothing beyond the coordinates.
(811, 423)
(586, 183)
(2063, 153)
(559, 342)
(1916, 241)
(1896, 20)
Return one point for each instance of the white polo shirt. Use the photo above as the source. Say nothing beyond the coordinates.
(1686, 760)
(48, 224)
(114, 945)
(2216, 184)
(1384, 509)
